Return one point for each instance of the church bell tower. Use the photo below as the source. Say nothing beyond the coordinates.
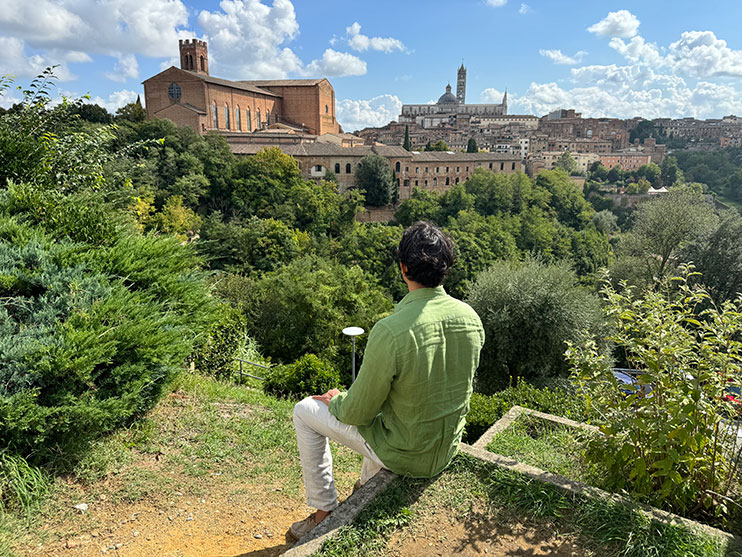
(194, 56)
(461, 85)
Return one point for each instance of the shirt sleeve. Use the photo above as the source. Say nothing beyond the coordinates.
(363, 401)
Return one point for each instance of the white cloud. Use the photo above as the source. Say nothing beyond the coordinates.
(246, 37)
(558, 57)
(616, 24)
(115, 100)
(361, 42)
(702, 54)
(126, 68)
(334, 63)
(524, 9)
(15, 61)
(375, 112)
(496, 3)
(638, 50)
(491, 95)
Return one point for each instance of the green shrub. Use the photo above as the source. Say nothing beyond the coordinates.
(485, 410)
(89, 337)
(216, 356)
(670, 445)
(309, 375)
(529, 311)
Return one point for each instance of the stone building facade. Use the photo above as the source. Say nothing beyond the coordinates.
(433, 170)
(189, 96)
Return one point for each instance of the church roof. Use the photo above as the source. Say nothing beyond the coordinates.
(242, 85)
(282, 82)
(447, 97)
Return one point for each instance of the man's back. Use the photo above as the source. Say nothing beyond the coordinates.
(413, 389)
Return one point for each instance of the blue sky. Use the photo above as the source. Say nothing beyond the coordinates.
(648, 58)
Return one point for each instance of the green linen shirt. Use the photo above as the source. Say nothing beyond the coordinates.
(412, 392)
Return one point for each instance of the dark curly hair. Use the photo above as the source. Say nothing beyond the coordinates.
(427, 253)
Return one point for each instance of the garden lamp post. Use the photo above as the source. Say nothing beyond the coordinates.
(353, 332)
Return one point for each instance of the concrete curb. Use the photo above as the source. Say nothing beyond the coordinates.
(478, 450)
(343, 515)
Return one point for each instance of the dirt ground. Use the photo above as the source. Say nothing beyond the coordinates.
(438, 535)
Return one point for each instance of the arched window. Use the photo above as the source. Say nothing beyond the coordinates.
(448, 181)
(257, 123)
(337, 168)
(267, 117)
(327, 109)
(347, 168)
(249, 120)
(203, 64)
(226, 116)
(190, 61)
(237, 119)
(398, 166)
(213, 112)
(435, 181)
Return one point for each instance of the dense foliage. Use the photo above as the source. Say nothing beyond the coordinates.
(720, 170)
(665, 438)
(530, 310)
(485, 410)
(309, 375)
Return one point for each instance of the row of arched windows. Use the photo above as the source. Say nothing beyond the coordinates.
(348, 168)
(238, 118)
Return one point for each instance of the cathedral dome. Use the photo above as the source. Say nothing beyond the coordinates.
(447, 97)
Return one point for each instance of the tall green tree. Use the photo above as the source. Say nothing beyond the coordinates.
(374, 179)
(567, 163)
(407, 145)
(471, 147)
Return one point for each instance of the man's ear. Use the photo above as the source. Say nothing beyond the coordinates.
(403, 267)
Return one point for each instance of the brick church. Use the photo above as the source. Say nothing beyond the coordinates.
(189, 96)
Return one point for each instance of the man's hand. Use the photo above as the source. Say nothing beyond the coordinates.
(327, 397)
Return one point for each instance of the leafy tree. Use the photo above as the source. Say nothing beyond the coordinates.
(615, 174)
(422, 205)
(718, 258)
(303, 307)
(529, 310)
(471, 146)
(605, 221)
(406, 144)
(567, 163)
(374, 179)
(452, 202)
(598, 171)
(663, 227)
(652, 172)
(439, 145)
(176, 219)
(133, 112)
(306, 376)
(671, 174)
(567, 201)
(93, 113)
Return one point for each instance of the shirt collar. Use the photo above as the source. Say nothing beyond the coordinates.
(421, 294)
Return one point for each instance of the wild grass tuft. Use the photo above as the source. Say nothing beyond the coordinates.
(21, 485)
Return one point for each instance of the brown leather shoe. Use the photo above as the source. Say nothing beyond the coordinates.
(302, 527)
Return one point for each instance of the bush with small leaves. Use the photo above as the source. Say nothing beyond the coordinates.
(309, 375)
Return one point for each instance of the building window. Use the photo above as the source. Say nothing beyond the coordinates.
(407, 183)
(249, 120)
(318, 168)
(426, 183)
(513, 166)
(203, 64)
(437, 169)
(457, 180)
(446, 170)
(347, 168)
(237, 118)
(467, 169)
(267, 117)
(448, 181)
(226, 116)
(214, 115)
(458, 169)
(327, 109)
(426, 170)
(174, 91)
(337, 168)
(416, 183)
(417, 170)
(491, 166)
(398, 166)
(435, 181)
(406, 168)
(257, 122)
(502, 166)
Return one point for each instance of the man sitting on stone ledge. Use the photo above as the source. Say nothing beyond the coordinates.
(406, 410)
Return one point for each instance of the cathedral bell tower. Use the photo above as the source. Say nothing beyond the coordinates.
(194, 56)
(461, 85)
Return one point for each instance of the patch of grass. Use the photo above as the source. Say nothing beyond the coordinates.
(549, 446)
(601, 526)
(21, 485)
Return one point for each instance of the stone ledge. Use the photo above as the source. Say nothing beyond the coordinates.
(478, 450)
(342, 515)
